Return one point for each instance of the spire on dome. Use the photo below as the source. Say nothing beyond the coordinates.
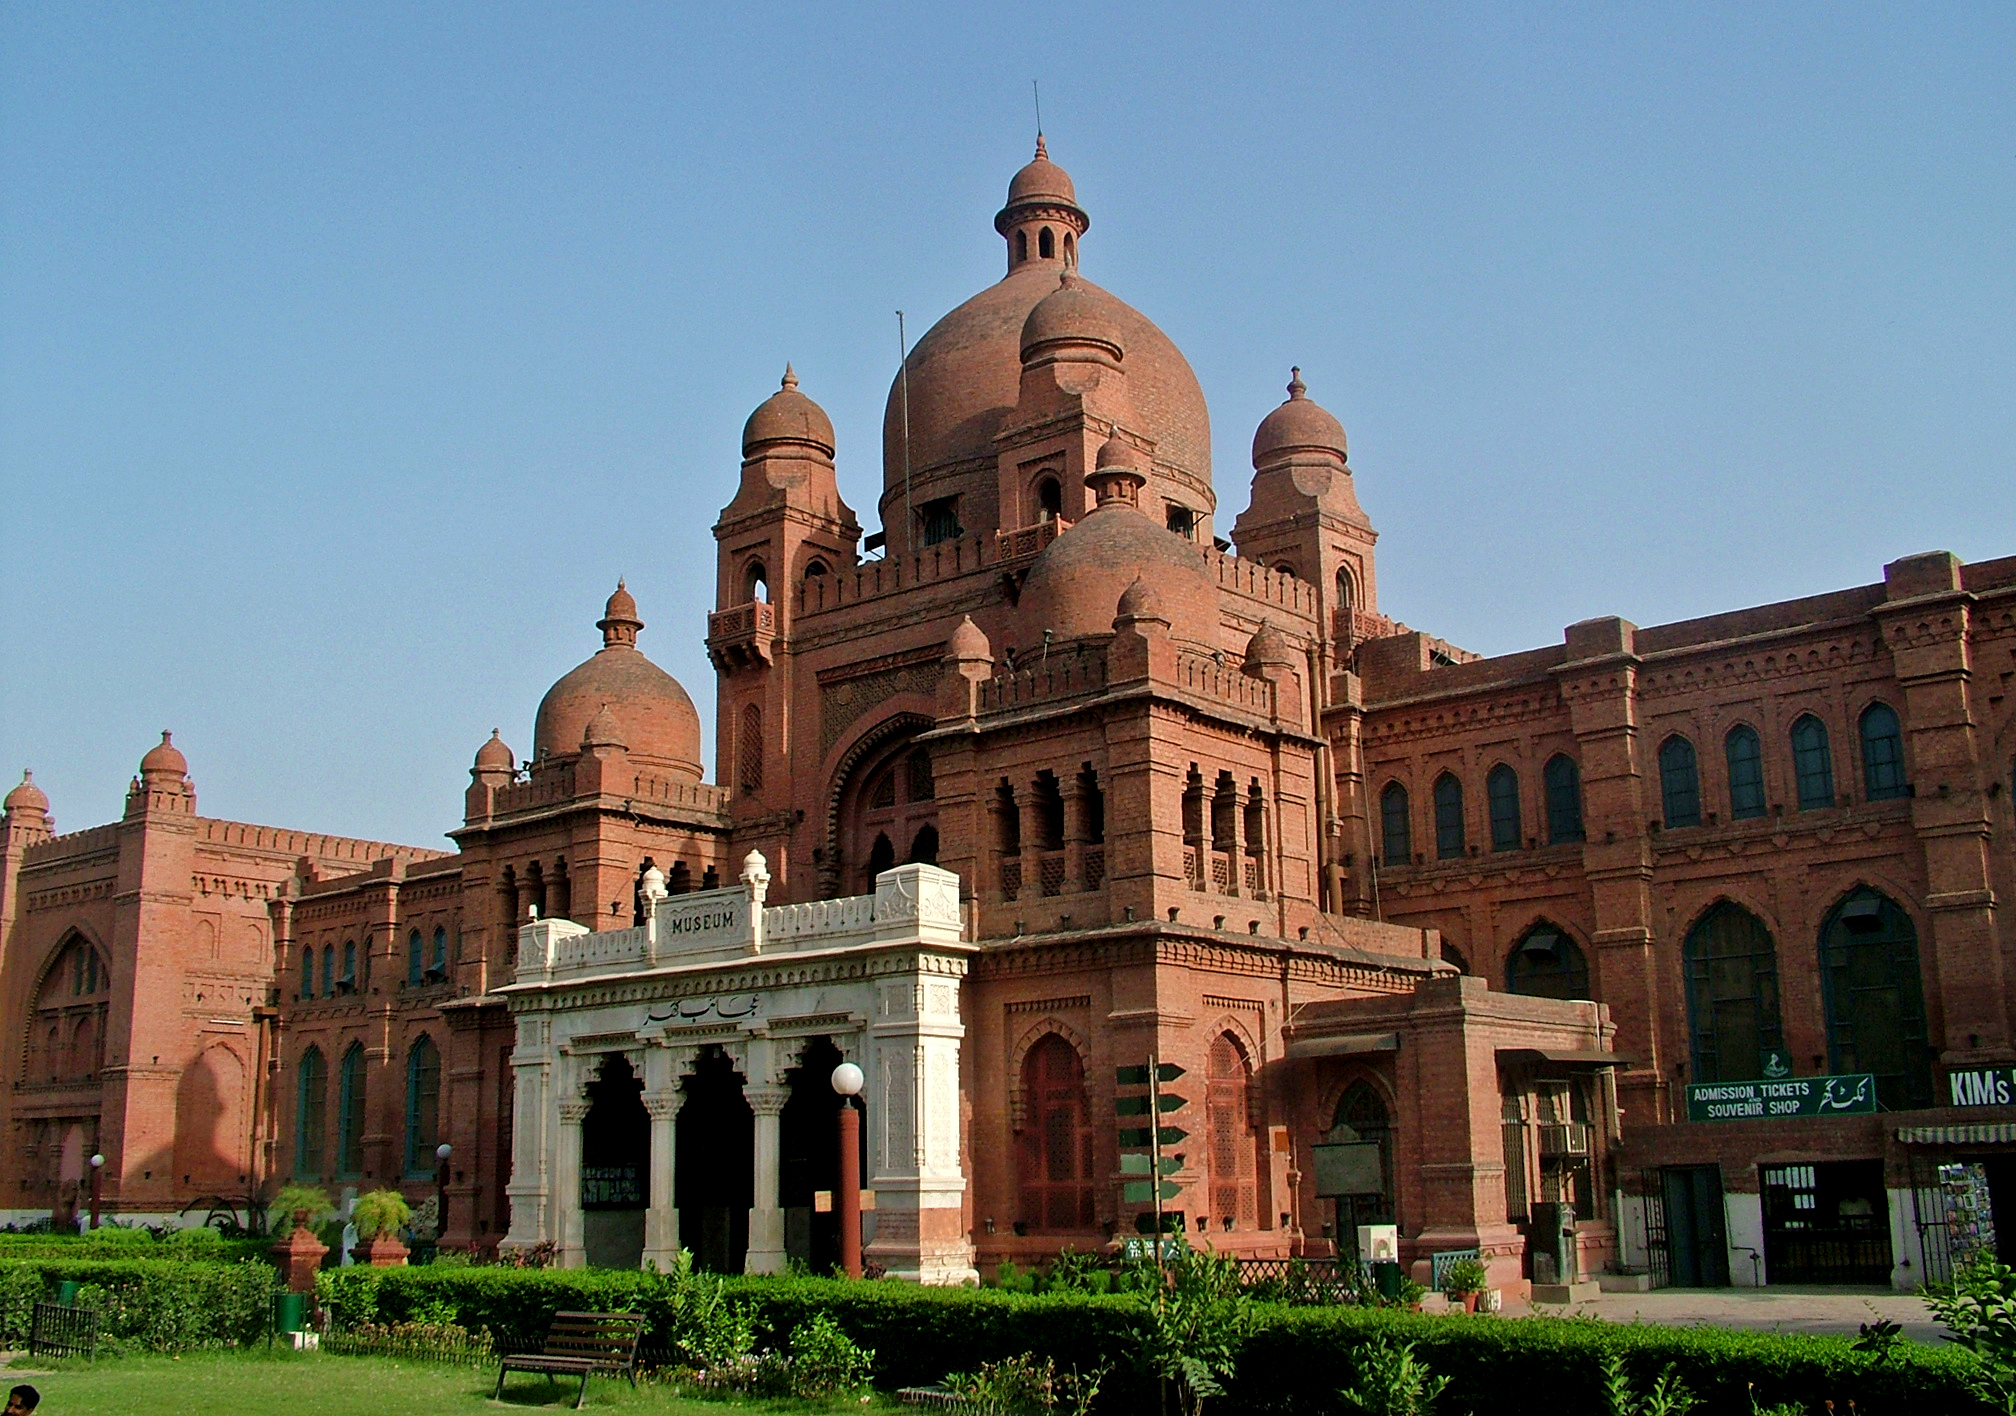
(790, 380)
(619, 623)
(1296, 388)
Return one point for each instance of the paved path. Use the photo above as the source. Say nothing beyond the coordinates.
(1786, 1309)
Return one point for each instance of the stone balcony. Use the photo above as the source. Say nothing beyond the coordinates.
(741, 635)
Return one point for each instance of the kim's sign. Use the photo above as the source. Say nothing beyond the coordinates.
(1777, 1100)
(1982, 1086)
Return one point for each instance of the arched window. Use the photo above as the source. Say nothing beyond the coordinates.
(881, 856)
(1882, 754)
(1396, 830)
(750, 749)
(328, 970)
(815, 569)
(350, 1113)
(1546, 963)
(440, 965)
(1347, 594)
(416, 961)
(1563, 780)
(1732, 994)
(1448, 817)
(917, 768)
(1046, 243)
(1501, 790)
(1229, 1139)
(1049, 500)
(311, 1095)
(1679, 782)
(1745, 754)
(1875, 1001)
(924, 846)
(1055, 1140)
(756, 583)
(347, 980)
(1812, 764)
(1179, 519)
(307, 971)
(1021, 247)
(1362, 1118)
(423, 1106)
(1070, 249)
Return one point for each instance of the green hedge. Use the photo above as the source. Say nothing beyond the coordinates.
(157, 1304)
(1295, 1362)
(135, 1244)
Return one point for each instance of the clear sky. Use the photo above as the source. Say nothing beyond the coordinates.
(349, 353)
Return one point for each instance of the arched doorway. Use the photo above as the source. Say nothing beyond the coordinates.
(615, 1166)
(1362, 1117)
(888, 810)
(809, 1157)
(713, 1176)
(1875, 1001)
(1055, 1141)
(1230, 1140)
(1732, 995)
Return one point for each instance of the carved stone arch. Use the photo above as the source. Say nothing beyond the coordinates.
(873, 740)
(1018, 1103)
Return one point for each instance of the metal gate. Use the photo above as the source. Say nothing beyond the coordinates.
(1928, 1211)
(1657, 1261)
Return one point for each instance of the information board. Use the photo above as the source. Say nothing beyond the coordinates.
(1776, 1100)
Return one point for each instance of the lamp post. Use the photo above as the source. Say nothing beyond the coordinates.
(441, 1153)
(97, 1184)
(847, 1080)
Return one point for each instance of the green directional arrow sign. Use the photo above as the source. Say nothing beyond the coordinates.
(1138, 1105)
(1134, 1163)
(1142, 1136)
(1138, 1076)
(1140, 1192)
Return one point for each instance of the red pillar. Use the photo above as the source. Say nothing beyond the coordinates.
(848, 1201)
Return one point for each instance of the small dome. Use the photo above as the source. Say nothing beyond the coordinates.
(1070, 314)
(1139, 601)
(165, 759)
(494, 756)
(1299, 425)
(1041, 182)
(659, 720)
(1116, 451)
(788, 416)
(26, 798)
(969, 641)
(602, 730)
(1075, 584)
(1267, 648)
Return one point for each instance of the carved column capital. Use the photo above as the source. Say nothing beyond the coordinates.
(574, 1111)
(766, 1101)
(662, 1106)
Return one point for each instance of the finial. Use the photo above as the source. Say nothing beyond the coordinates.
(493, 733)
(619, 586)
(1042, 149)
(790, 379)
(1296, 388)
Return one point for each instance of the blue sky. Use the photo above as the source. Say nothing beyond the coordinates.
(349, 354)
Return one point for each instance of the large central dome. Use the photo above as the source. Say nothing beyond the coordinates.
(965, 374)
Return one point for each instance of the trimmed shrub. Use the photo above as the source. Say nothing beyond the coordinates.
(109, 1243)
(157, 1304)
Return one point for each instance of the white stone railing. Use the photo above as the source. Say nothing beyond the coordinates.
(717, 926)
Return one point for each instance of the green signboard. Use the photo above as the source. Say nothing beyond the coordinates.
(1777, 1100)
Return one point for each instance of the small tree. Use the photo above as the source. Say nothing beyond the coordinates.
(1979, 1309)
(1198, 1319)
(1391, 1381)
(380, 1212)
(305, 1205)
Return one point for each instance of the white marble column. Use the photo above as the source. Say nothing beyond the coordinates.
(566, 1199)
(766, 1218)
(661, 1221)
(531, 1186)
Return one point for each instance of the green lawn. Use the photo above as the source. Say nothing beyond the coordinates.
(310, 1384)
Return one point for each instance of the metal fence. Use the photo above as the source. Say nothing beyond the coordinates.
(1311, 1281)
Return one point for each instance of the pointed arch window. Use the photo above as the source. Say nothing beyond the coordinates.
(1882, 754)
(750, 749)
(71, 1008)
(1679, 783)
(1745, 754)
(416, 959)
(1055, 1140)
(1812, 764)
(1546, 963)
(1732, 994)
(439, 968)
(311, 1096)
(1396, 829)
(1563, 781)
(1230, 1141)
(1049, 499)
(328, 970)
(1501, 790)
(1362, 1117)
(350, 1113)
(307, 971)
(1448, 817)
(1046, 243)
(423, 1106)
(1875, 998)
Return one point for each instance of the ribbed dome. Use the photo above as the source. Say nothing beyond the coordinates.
(1299, 425)
(494, 755)
(1074, 588)
(788, 416)
(1268, 647)
(165, 759)
(659, 720)
(968, 641)
(26, 797)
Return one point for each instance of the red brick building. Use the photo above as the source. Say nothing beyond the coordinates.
(1365, 887)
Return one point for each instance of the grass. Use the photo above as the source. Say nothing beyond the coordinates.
(255, 1383)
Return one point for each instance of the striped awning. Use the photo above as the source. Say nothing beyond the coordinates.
(1986, 1134)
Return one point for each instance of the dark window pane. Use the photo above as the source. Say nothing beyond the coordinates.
(1812, 764)
(1732, 994)
(1875, 1000)
(1564, 801)
(1448, 817)
(1882, 754)
(1395, 829)
(1546, 963)
(1502, 790)
(1746, 773)
(1679, 783)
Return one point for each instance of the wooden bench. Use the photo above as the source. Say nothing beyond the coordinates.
(59, 1330)
(582, 1344)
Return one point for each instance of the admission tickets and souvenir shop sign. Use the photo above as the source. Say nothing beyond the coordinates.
(1777, 1099)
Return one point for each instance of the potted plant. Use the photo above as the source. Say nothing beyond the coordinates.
(300, 1251)
(379, 1216)
(1465, 1283)
(304, 1205)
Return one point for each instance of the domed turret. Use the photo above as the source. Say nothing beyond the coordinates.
(27, 799)
(1138, 602)
(1076, 584)
(495, 756)
(968, 641)
(1301, 425)
(164, 761)
(788, 416)
(1267, 649)
(659, 719)
(1071, 315)
(603, 730)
